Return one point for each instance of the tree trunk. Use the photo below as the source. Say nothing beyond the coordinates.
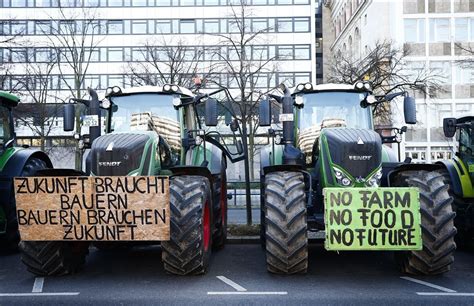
(78, 153)
(251, 150)
(248, 199)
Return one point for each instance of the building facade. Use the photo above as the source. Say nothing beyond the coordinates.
(438, 33)
(119, 35)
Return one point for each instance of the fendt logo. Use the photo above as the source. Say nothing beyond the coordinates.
(360, 157)
(110, 164)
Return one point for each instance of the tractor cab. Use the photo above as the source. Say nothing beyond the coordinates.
(7, 102)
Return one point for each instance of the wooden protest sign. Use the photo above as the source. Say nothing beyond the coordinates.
(95, 208)
(372, 219)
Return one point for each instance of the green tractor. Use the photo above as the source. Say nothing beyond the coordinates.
(326, 152)
(459, 175)
(14, 161)
(151, 131)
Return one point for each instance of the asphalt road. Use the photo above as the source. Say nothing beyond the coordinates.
(237, 276)
(239, 215)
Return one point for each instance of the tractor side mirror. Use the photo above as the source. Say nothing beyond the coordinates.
(449, 127)
(240, 148)
(68, 117)
(409, 110)
(265, 114)
(211, 112)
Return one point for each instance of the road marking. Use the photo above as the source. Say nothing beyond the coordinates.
(428, 284)
(231, 283)
(39, 294)
(446, 293)
(38, 285)
(248, 293)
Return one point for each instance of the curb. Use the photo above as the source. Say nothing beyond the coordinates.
(243, 240)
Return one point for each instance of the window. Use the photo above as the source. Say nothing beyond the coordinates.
(42, 55)
(92, 81)
(301, 24)
(138, 55)
(211, 2)
(163, 26)
(163, 2)
(260, 80)
(414, 30)
(92, 26)
(232, 26)
(18, 27)
(66, 82)
(260, 53)
(92, 55)
(440, 30)
(115, 2)
(114, 80)
(186, 2)
(259, 24)
(284, 25)
(18, 3)
(42, 27)
(139, 2)
(115, 55)
(18, 55)
(211, 26)
(285, 52)
(187, 26)
(115, 27)
(259, 2)
(90, 3)
(302, 52)
(461, 29)
(284, 1)
(42, 3)
(66, 27)
(139, 27)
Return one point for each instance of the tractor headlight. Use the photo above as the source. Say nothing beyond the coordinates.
(308, 86)
(299, 100)
(367, 86)
(359, 85)
(300, 87)
(108, 91)
(374, 179)
(198, 140)
(174, 87)
(277, 139)
(116, 90)
(176, 102)
(341, 177)
(167, 87)
(106, 103)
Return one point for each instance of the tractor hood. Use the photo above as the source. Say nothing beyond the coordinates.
(122, 154)
(357, 152)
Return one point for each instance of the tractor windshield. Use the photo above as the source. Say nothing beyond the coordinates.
(334, 109)
(5, 133)
(466, 144)
(146, 112)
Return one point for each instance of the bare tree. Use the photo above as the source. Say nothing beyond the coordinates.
(40, 113)
(159, 62)
(75, 39)
(385, 66)
(465, 51)
(245, 71)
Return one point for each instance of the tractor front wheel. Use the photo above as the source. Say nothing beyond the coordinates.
(437, 225)
(285, 223)
(11, 238)
(47, 258)
(189, 248)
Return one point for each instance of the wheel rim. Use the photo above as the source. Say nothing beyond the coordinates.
(206, 226)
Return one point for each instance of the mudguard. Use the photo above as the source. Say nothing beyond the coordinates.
(409, 167)
(454, 175)
(13, 168)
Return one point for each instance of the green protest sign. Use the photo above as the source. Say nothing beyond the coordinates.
(372, 219)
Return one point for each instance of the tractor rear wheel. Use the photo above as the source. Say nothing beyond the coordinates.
(464, 216)
(189, 248)
(11, 238)
(47, 258)
(437, 225)
(285, 223)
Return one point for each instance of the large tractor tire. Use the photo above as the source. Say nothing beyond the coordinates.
(9, 241)
(47, 258)
(219, 236)
(464, 220)
(285, 223)
(189, 248)
(437, 225)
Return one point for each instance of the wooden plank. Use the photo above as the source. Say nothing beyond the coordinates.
(128, 208)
